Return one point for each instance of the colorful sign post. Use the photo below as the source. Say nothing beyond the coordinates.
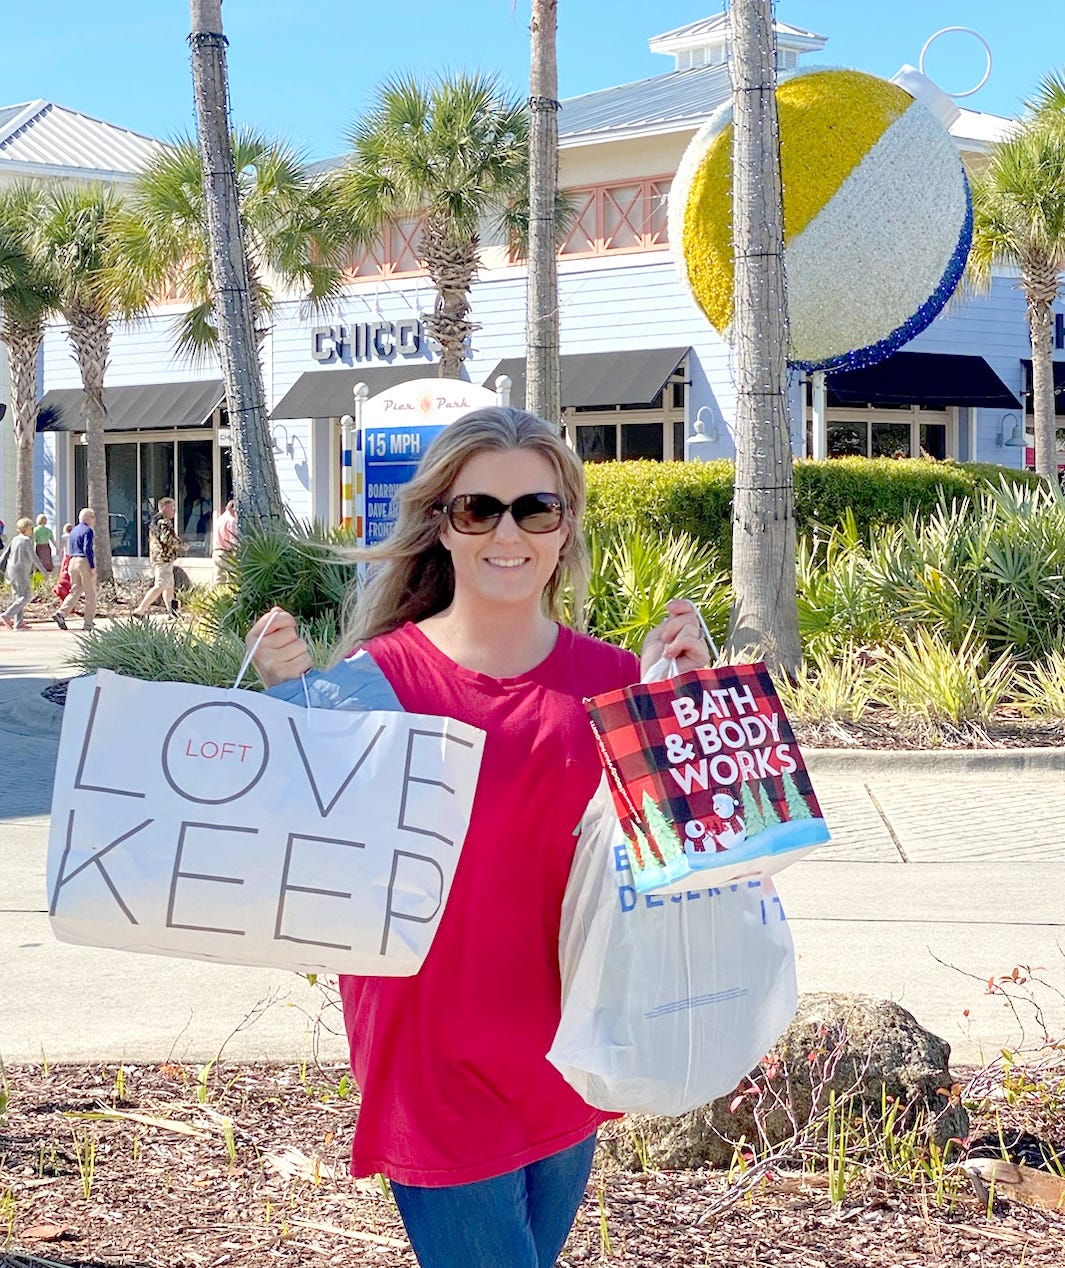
(393, 430)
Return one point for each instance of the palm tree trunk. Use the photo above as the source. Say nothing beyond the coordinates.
(543, 393)
(451, 266)
(1040, 288)
(765, 614)
(22, 346)
(91, 338)
(255, 483)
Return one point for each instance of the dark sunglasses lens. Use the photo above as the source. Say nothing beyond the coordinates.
(538, 512)
(474, 512)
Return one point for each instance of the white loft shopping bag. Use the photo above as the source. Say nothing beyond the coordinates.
(668, 1000)
(225, 825)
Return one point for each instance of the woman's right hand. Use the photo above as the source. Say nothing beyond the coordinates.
(282, 654)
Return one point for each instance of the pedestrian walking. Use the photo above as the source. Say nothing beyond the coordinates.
(64, 539)
(43, 541)
(82, 571)
(22, 563)
(225, 540)
(488, 1148)
(164, 546)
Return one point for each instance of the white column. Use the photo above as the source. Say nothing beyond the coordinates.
(820, 431)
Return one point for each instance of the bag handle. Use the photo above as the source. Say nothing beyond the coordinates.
(255, 647)
(667, 667)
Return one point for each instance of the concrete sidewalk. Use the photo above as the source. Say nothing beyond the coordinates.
(945, 870)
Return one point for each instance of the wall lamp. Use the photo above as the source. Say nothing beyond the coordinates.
(289, 444)
(700, 427)
(1010, 432)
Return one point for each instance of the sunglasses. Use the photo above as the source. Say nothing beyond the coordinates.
(480, 512)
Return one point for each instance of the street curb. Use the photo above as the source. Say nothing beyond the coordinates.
(868, 763)
(31, 715)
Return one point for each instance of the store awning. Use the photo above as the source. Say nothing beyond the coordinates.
(142, 407)
(935, 380)
(600, 378)
(1059, 385)
(328, 393)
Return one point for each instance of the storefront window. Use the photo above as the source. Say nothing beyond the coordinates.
(193, 493)
(140, 473)
(597, 442)
(891, 440)
(934, 440)
(848, 440)
(641, 440)
(157, 481)
(886, 432)
(122, 497)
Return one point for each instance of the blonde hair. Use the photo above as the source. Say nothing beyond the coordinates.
(23, 522)
(42, 518)
(413, 576)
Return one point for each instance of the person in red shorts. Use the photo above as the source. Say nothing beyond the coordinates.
(487, 1147)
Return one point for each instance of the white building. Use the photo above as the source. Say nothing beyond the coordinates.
(640, 362)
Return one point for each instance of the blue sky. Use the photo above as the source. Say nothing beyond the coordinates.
(304, 70)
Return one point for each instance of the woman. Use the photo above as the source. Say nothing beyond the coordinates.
(43, 541)
(22, 563)
(487, 1147)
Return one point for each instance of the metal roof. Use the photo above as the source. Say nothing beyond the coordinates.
(680, 98)
(42, 134)
(632, 377)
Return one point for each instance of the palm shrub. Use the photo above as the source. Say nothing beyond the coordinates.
(925, 676)
(299, 567)
(829, 689)
(1039, 691)
(635, 571)
(993, 563)
(162, 652)
(839, 600)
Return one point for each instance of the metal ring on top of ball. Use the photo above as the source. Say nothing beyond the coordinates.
(969, 31)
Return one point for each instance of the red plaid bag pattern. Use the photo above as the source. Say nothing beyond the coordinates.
(671, 747)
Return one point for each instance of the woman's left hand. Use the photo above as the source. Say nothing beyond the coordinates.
(679, 638)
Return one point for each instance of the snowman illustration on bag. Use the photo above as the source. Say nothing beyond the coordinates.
(718, 831)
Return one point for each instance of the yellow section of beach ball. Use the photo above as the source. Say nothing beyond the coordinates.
(829, 121)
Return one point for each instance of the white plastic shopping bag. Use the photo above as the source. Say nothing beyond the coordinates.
(668, 1000)
(225, 825)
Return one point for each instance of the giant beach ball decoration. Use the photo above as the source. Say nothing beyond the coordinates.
(877, 217)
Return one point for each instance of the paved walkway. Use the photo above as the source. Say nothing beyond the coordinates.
(945, 870)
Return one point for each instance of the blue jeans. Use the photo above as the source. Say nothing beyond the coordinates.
(517, 1220)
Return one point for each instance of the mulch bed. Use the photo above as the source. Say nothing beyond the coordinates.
(246, 1167)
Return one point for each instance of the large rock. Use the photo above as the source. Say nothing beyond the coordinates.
(863, 1049)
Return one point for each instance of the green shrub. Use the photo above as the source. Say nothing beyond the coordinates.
(696, 497)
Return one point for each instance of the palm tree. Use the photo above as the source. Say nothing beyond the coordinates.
(543, 394)
(28, 295)
(453, 153)
(765, 615)
(1019, 222)
(289, 238)
(76, 230)
(255, 484)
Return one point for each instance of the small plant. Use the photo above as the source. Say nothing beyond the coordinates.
(605, 1246)
(8, 1211)
(85, 1153)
